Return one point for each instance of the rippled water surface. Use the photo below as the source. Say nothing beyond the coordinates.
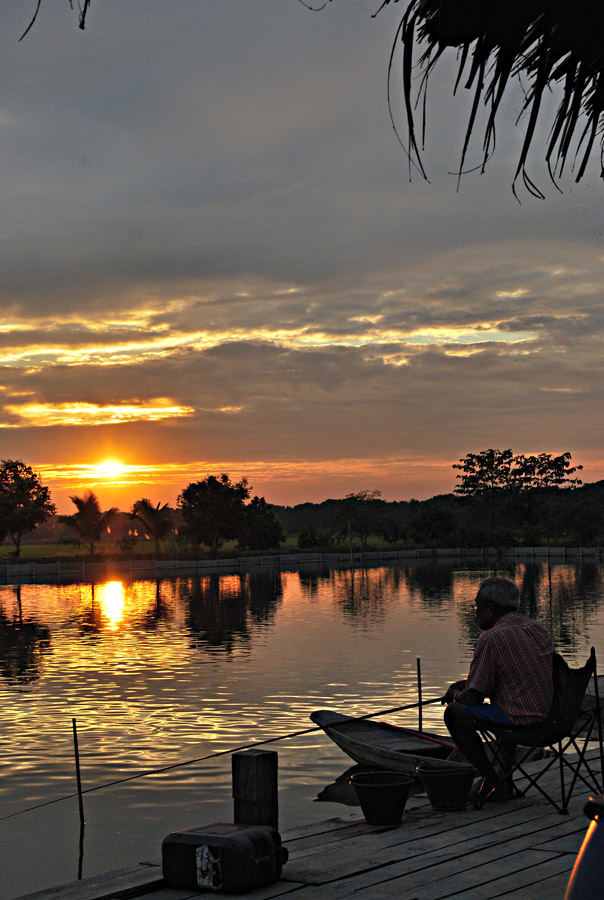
(161, 672)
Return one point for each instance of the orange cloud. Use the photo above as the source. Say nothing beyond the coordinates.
(44, 415)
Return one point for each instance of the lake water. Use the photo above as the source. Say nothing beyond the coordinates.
(161, 672)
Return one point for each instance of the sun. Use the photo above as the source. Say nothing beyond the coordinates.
(109, 468)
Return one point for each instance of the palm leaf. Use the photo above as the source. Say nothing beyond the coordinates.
(553, 44)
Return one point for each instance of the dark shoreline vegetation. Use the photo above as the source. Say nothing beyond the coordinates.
(557, 518)
(503, 500)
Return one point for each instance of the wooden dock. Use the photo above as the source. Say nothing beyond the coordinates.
(520, 850)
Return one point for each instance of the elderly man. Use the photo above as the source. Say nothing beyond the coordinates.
(512, 666)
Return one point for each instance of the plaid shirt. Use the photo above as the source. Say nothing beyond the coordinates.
(512, 665)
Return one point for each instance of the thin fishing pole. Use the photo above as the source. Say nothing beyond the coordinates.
(189, 762)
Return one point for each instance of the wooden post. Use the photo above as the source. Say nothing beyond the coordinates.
(419, 693)
(78, 776)
(255, 788)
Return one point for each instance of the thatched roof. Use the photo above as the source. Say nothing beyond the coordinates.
(83, 6)
(549, 43)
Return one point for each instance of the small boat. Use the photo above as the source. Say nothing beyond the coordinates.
(384, 746)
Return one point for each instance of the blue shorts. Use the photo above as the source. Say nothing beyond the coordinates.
(489, 711)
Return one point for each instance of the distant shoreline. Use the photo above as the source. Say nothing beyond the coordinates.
(77, 569)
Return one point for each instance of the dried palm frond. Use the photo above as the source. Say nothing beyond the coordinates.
(548, 43)
(83, 9)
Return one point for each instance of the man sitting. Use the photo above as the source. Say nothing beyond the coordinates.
(512, 665)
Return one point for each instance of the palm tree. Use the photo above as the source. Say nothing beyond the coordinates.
(156, 520)
(89, 522)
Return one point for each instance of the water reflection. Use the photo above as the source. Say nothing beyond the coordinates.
(114, 606)
(221, 613)
(158, 612)
(565, 598)
(165, 669)
(222, 608)
(362, 593)
(432, 585)
(23, 643)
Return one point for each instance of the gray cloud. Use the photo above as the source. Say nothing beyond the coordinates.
(230, 169)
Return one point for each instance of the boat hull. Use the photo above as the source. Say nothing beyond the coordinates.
(381, 746)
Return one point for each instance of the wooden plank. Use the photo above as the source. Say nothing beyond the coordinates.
(453, 877)
(333, 835)
(324, 827)
(166, 893)
(423, 863)
(320, 863)
(552, 888)
(521, 883)
(278, 889)
(425, 821)
(569, 843)
(107, 888)
(102, 887)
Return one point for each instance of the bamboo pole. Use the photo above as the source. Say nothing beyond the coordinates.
(419, 693)
(78, 777)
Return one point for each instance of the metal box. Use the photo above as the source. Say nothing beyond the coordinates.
(221, 857)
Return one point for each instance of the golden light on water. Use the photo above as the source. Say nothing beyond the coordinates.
(112, 600)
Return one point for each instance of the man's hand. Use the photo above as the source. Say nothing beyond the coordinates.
(468, 697)
(453, 689)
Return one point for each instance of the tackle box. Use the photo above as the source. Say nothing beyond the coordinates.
(222, 857)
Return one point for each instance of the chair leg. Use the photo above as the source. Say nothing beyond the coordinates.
(564, 810)
(598, 715)
(533, 780)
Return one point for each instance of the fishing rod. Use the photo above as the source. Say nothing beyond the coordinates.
(386, 712)
(189, 762)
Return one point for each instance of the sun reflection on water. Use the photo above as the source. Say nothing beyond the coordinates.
(112, 600)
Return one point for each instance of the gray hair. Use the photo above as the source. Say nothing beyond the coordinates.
(501, 592)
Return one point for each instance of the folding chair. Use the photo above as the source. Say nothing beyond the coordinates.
(570, 725)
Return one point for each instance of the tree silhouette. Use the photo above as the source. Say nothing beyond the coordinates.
(89, 522)
(213, 509)
(260, 529)
(156, 520)
(496, 476)
(24, 501)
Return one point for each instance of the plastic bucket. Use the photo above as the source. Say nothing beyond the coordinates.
(382, 796)
(448, 789)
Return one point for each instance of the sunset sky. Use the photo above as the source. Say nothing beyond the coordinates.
(212, 259)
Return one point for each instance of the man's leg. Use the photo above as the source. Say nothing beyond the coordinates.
(461, 726)
(463, 731)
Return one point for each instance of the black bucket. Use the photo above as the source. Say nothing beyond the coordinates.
(382, 796)
(448, 789)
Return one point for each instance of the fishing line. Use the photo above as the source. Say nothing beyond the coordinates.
(189, 762)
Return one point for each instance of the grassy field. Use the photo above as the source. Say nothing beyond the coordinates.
(169, 550)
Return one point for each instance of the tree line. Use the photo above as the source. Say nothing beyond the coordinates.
(209, 512)
(502, 499)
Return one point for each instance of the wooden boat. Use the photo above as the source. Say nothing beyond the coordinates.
(384, 746)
